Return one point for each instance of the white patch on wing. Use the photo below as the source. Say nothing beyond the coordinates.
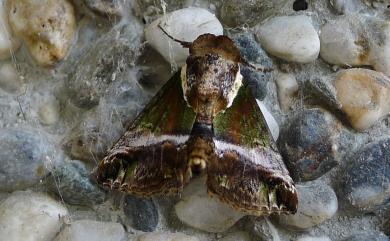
(183, 77)
(152, 139)
(265, 158)
(236, 86)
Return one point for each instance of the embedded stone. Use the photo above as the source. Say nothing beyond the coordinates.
(364, 95)
(317, 203)
(30, 216)
(165, 236)
(184, 24)
(292, 38)
(8, 42)
(287, 90)
(46, 26)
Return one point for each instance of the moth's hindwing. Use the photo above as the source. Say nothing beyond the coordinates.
(247, 172)
(150, 158)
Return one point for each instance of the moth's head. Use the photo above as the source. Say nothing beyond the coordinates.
(211, 77)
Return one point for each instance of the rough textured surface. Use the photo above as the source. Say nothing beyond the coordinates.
(31, 217)
(166, 237)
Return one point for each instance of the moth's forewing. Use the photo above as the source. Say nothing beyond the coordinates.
(247, 171)
(150, 158)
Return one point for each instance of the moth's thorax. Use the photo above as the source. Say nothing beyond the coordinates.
(210, 83)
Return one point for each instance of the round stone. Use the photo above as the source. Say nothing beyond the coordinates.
(309, 144)
(292, 38)
(141, 213)
(367, 177)
(82, 230)
(70, 181)
(198, 210)
(317, 202)
(30, 216)
(26, 156)
(185, 25)
(364, 96)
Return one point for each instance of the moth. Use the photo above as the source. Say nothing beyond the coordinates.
(203, 121)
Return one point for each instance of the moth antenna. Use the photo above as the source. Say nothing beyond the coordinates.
(258, 68)
(183, 43)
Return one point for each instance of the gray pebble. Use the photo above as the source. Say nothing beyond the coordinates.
(367, 177)
(26, 156)
(309, 144)
(142, 214)
(71, 181)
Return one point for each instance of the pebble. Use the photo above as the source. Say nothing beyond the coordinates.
(273, 126)
(266, 230)
(107, 66)
(184, 24)
(9, 78)
(347, 6)
(108, 8)
(8, 42)
(364, 95)
(49, 112)
(141, 213)
(317, 202)
(352, 40)
(82, 230)
(367, 177)
(26, 156)
(252, 52)
(291, 38)
(310, 238)
(70, 180)
(30, 216)
(165, 236)
(196, 209)
(287, 90)
(47, 27)
(370, 235)
(309, 144)
(237, 236)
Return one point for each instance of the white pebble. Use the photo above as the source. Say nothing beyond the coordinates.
(198, 210)
(287, 90)
(160, 236)
(46, 26)
(292, 38)
(9, 78)
(310, 238)
(8, 43)
(317, 202)
(49, 113)
(184, 24)
(354, 40)
(30, 216)
(272, 124)
(83, 230)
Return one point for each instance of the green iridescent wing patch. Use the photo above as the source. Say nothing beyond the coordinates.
(247, 171)
(150, 158)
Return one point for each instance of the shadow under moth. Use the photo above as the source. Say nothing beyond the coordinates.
(203, 121)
